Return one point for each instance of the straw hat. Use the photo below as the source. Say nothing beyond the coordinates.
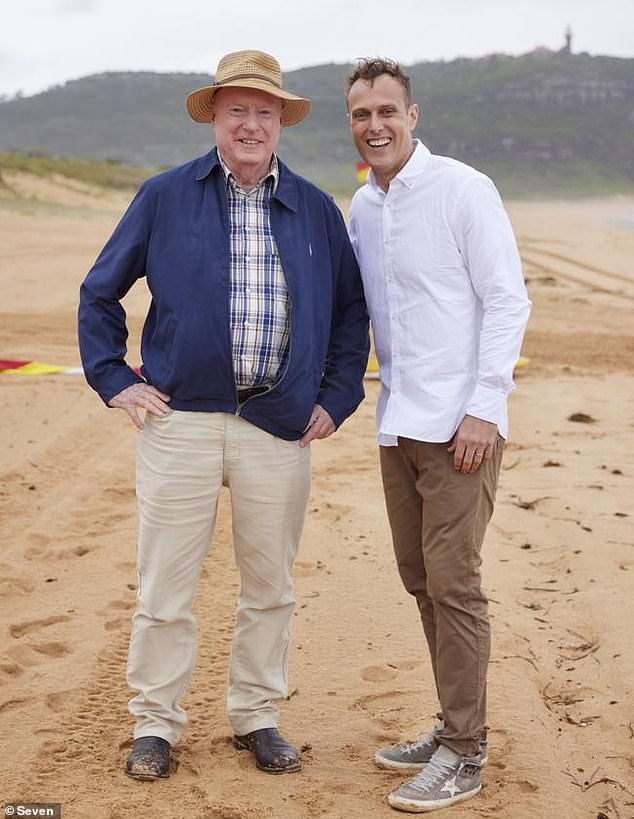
(248, 69)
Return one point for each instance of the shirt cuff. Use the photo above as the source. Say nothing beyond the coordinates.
(488, 405)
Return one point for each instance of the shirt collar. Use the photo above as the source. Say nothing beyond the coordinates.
(273, 173)
(285, 193)
(412, 169)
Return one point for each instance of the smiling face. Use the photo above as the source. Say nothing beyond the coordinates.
(382, 122)
(247, 124)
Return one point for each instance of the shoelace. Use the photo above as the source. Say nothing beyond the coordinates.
(431, 775)
(411, 747)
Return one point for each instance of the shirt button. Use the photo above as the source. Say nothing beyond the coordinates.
(246, 323)
(247, 258)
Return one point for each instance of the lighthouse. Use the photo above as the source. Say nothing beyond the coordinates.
(567, 49)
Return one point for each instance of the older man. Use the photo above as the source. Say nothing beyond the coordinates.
(254, 345)
(448, 306)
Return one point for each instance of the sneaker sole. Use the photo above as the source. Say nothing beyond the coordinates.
(392, 765)
(414, 806)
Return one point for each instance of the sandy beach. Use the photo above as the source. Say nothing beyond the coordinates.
(558, 561)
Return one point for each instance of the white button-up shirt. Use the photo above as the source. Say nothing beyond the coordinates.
(445, 293)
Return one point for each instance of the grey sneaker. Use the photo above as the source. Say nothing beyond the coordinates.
(412, 756)
(447, 778)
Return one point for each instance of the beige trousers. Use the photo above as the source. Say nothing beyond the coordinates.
(438, 518)
(183, 460)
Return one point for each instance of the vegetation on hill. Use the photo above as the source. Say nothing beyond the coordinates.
(541, 124)
(106, 174)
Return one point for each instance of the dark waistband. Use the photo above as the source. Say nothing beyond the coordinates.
(248, 392)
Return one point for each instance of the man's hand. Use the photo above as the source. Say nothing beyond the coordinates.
(140, 395)
(473, 443)
(320, 425)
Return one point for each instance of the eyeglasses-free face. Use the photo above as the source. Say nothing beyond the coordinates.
(382, 123)
(247, 124)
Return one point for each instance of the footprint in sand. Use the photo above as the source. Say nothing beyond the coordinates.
(117, 605)
(34, 654)
(42, 553)
(304, 569)
(38, 548)
(378, 673)
(119, 493)
(37, 539)
(500, 744)
(117, 624)
(341, 787)
(44, 732)
(26, 655)
(15, 586)
(11, 705)
(389, 709)
(524, 785)
(36, 553)
(105, 522)
(74, 551)
(10, 668)
(18, 630)
(53, 649)
(331, 512)
(58, 700)
(51, 748)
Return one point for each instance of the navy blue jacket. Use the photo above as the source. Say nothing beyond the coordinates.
(176, 234)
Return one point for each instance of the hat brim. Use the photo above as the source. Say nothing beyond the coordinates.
(294, 109)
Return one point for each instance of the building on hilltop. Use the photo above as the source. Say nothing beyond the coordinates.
(567, 49)
(543, 51)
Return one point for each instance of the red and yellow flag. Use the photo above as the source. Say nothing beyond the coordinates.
(362, 172)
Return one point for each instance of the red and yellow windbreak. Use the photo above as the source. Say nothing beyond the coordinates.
(362, 172)
(10, 366)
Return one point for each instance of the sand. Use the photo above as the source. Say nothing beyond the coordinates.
(559, 562)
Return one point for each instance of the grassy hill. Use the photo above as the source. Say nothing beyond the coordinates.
(540, 124)
(101, 174)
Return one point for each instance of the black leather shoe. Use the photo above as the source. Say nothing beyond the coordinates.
(272, 752)
(149, 759)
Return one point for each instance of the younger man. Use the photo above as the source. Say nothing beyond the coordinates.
(447, 302)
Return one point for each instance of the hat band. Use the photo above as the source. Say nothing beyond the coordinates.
(249, 77)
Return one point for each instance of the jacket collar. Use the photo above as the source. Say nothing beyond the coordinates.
(286, 191)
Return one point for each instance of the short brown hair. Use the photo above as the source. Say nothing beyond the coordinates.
(369, 68)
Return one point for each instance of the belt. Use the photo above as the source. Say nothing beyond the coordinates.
(249, 392)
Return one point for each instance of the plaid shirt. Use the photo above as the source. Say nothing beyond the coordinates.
(259, 300)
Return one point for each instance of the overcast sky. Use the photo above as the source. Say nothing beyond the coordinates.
(46, 42)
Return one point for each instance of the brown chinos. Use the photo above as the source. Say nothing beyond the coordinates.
(438, 517)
